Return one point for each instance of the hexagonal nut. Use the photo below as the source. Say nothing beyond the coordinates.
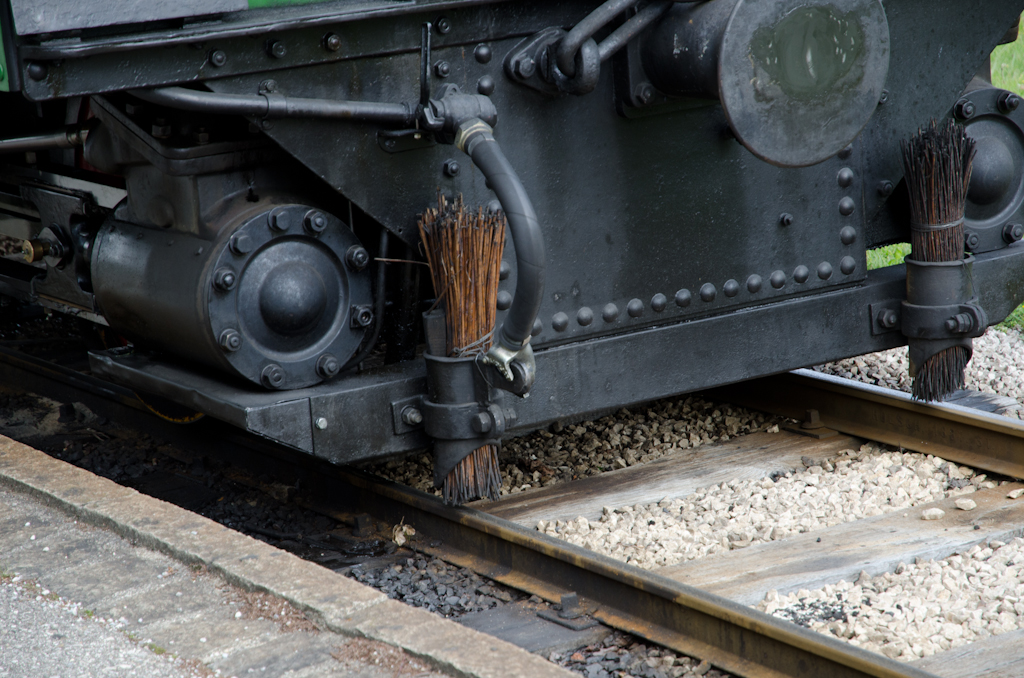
(315, 222)
(327, 366)
(272, 376)
(224, 279)
(230, 340)
(357, 257)
(362, 316)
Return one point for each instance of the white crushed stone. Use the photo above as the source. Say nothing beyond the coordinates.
(966, 504)
(997, 366)
(858, 484)
(932, 514)
(920, 609)
(1013, 494)
(627, 438)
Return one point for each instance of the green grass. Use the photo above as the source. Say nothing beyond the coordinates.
(1008, 66)
(890, 255)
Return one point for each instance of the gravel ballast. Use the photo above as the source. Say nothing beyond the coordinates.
(859, 484)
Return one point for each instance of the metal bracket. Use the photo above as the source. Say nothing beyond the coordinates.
(403, 414)
(404, 140)
(953, 321)
(524, 64)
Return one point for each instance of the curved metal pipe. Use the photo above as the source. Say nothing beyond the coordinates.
(584, 30)
(632, 28)
(275, 105)
(475, 138)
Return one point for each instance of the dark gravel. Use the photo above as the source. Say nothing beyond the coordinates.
(620, 655)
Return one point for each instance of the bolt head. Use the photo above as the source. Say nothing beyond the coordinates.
(272, 376)
(481, 422)
(315, 222)
(964, 109)
(332, 42)
(888, 319)
(451, 168)
(885, 188)
(442, 69)
(218, 58)
(412, 416)
(973, 240)
(357, 257)
(277, 49)
(362, 316)
(525, 67)
(240, 244)
(1008, 102)
(321, 423)
(883, 97)
(230, 340)
(443, 25)
(278, 220)
(224, 279)
(786, 219)
(327, 366)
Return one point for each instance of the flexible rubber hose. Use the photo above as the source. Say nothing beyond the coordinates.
(478, 142)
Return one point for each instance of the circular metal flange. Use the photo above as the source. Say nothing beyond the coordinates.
(292, 297)
(995, 196)
(799, 79)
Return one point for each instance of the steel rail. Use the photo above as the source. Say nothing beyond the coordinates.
(732, 637)
(979, 439)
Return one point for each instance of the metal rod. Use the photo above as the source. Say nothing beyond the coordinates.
(584, 30)
(425, 64)
(278, 105)
(71, 137)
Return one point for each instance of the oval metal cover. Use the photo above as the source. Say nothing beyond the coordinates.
(799, 80)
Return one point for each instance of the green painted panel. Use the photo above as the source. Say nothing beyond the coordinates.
(5, 80)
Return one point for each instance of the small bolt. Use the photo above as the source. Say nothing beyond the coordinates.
(481, 422)
(321, 423)
(272, 376)
(36, 71)
(133, 109)
(278, 219)
(268, 86)
(315, 222)
(327, 366)
(357, 257)
(786, 219)
(524, 67)
(1013, 232)
(883, 97)
(224, 279)
(644, 93)
(160, 129)
(885, 188)
(443, 25)
(230, 340)
(964, 109)
(973, 240)
(451, 168)
(240, 244)
(277, 49)
(442, 69)
(411, 416)
(332, 42)
(362, 316)
(201, 136)
(1008, 102)
(218, 58)
(887, 318)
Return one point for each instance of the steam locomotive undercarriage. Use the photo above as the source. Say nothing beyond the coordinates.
(691, 189)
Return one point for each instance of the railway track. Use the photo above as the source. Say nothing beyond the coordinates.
(686, 609)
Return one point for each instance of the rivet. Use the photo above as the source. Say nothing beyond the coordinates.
(504, 300)
(321, 423)
(538, 327)
(482, 54)
(240, 244)
(443, 25)
(485, 85)
(777, 279)
(885, 188)
(332, 42)
(658, 302)
(731, 288)
(277, 49)
(610, 312)
(584, 316)
(635, 308)
(824, 270)
(218, 58)
(801, 273)
(442, 69)
(683, 298)
(883, 97)
(278, 219)
(847, 265)
(559, 322)
(846, 152)
(848, 235)
(504, 271)
(846, 206)
(230, 340)
(327, 366)
(36, 70)
(708, 292)
(754, 283)
(845, 177)
(786, 219)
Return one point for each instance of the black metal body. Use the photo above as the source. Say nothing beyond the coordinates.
(676, 258)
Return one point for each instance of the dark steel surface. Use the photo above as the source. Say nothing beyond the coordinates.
(32, 17)
(960, 434)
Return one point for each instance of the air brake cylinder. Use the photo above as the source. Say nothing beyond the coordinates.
(797, 79)
(280, 295)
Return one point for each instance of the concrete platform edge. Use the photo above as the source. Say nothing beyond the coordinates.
(338, 603)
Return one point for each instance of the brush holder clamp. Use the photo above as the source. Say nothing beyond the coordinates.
(941, 310)
(462, 413)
